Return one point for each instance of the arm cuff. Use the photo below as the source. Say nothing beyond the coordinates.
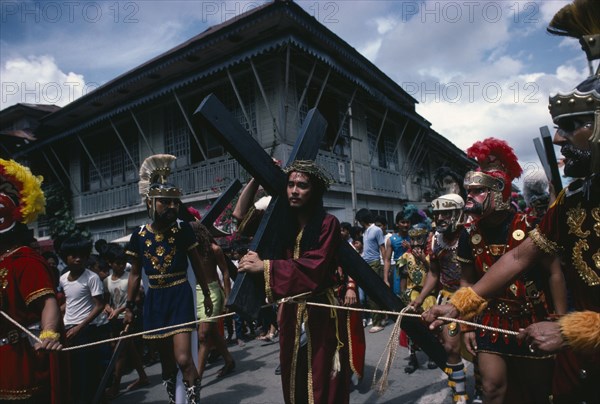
(581, 331)
(541, 242)
(468, 303)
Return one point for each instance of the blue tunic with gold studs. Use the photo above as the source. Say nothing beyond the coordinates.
(164, 258)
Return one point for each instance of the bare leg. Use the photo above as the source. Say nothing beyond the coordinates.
(182, 349)
(493, 371)
(450, 338)
(219, 343)
(168, 366)
(136, 362)
(203, 347)
(113, 390)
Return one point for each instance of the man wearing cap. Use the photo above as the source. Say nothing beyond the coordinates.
(162, 249)
(26, 293)
(570, 229)
(445, 270)
(313, 363)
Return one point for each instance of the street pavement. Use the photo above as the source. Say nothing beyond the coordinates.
(254, 380)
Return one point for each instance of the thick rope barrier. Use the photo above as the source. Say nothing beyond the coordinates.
(291, 299)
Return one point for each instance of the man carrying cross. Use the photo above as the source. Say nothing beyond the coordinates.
(310, 361)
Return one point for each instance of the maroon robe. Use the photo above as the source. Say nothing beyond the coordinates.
(306, 370)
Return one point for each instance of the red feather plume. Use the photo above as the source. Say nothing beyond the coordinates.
(496, 154)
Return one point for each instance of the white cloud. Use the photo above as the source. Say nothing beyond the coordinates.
(38, 80)
(371, 49)
(385, 25)
(478, 69)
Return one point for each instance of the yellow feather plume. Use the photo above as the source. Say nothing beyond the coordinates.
(31, 199)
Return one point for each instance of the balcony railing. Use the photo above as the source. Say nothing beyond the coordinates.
(196, 178)
(213, 174)
(386, 182)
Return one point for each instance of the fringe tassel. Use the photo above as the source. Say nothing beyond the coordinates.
(390, 353)
(335, 369)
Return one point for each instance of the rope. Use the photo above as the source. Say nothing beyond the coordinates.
(291, 299)
(391, 349)
(25, 330)
(137, 334)
(447, 319)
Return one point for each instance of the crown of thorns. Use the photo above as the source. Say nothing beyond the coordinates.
(312, 169)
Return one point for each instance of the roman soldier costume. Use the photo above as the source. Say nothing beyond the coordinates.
(522, 302)
(26, 374)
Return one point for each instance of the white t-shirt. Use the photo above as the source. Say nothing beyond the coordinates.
(386, 243)
(78, 294)
(118, 291)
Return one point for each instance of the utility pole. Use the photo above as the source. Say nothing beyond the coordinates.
(352, 169)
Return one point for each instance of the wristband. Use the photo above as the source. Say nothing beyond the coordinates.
(130, 305)
(468, 303)
(49, 334)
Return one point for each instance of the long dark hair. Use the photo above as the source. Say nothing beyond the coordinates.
(312, 230)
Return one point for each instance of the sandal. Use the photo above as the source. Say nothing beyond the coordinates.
(227, 369)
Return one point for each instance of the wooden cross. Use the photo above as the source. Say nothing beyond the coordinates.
(248, 294)
(215, 210)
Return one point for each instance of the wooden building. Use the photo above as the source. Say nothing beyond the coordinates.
(269, 66)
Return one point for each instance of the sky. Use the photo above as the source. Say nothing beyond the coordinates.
(477, 68)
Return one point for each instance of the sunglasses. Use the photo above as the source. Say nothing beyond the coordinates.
(568, 128)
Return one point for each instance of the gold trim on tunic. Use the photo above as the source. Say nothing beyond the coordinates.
(586, 273)
(168, 285)
(37, 294)
(350, 348)
(133, 254)
(162, 276)
(168, 334)
(596, 216)
(267, 275)
(299, 314)
(297, 245)
(575, 218)
(311, 398)
(19, 394)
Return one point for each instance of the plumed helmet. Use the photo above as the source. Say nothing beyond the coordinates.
(154, 172)
(153, 184)
(498, 167)
(581, 20)
(21, 196)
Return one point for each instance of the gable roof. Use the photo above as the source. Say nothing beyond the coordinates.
(232, 42)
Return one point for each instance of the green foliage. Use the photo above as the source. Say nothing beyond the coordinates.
(59, 216)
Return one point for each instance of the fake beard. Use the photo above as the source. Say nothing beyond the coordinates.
(444, 226)
(167, 216)
(577, 161)
(476, 209)
(479, 210)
